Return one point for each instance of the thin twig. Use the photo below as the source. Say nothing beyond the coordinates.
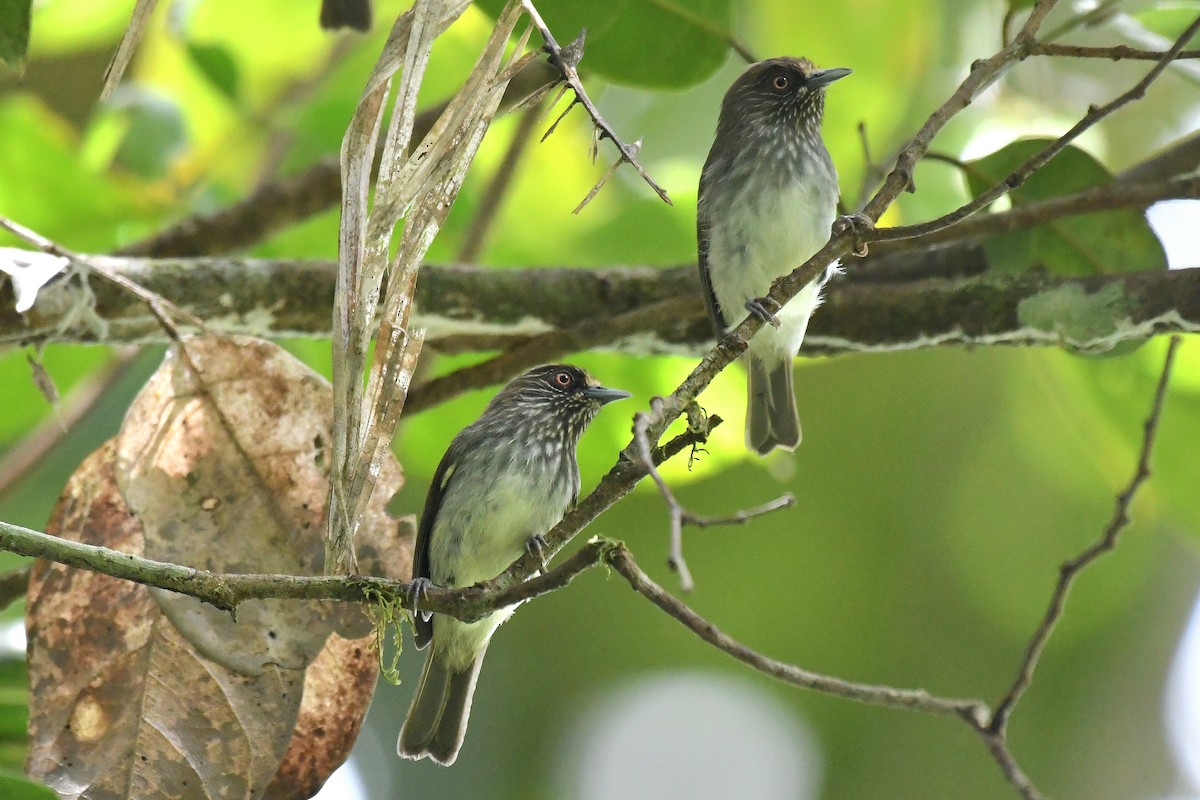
(129, 41)
(635, 147)
(983, 73)
(622, 562)
(1113, 53)
(566, 59)
(998, 748)
(1070, 569)
(1105, 197)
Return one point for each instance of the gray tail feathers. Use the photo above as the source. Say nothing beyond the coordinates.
(437, 719)
(771, 417)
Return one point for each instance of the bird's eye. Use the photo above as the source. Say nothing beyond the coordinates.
(563, 379)
(780, 83)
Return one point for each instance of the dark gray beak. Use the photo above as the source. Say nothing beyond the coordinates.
(604, 394)
(825, 77)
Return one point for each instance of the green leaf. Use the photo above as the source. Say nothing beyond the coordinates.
(14, 32)
(1086, 244)
(1167, 20)
(18, 787)
(650, 43)
(1017, 5)
(216, 63)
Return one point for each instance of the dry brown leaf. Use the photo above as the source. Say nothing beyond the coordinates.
(337, 692)
(121, 704)
(223, 458)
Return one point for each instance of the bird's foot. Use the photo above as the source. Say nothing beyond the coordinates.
(758, 307)
(415, 593)
(536, 546)
(857, 225)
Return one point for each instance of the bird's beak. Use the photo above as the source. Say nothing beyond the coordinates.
(604, 394)
(825, 77)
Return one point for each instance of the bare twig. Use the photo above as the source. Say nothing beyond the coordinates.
(973, 711)
(1113, 53)
(566, 59)
(998, 748)
(1070, 569)
(983, 73)
(595, 190)
(1105, 197)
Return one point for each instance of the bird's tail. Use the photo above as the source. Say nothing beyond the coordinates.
(771, 417)
(437, 719)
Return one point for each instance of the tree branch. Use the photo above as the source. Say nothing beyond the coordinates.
(885, 306)
(275, 205)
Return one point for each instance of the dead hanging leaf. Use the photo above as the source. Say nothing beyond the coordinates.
(337, 692)
(223, 458)
(121, 704)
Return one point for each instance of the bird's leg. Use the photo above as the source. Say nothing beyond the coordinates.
(758, 307)
(536, 546)
(857, 225)
(415, 593)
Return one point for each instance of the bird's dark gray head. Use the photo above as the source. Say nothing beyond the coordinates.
(555, 400)
(777, 96)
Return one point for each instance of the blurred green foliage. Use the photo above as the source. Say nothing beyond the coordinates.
(937, 490)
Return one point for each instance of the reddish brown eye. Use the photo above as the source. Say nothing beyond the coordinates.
(780, 83)
(563, 379)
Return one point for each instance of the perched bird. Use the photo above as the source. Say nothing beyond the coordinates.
(505, 480)
(768, 198)
(346, 14)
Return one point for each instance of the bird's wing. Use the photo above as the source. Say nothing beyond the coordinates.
(702, 241)
(423, 626)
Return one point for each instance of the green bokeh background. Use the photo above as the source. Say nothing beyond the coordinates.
(937, 490)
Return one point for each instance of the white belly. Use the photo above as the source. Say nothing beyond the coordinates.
(779, 232)
(476, 541)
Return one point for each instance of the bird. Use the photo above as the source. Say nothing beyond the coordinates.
(505, 480)
(354, 14)
(767, 201)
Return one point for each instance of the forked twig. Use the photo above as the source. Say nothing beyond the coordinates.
(699, 425)
(1070, 569)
